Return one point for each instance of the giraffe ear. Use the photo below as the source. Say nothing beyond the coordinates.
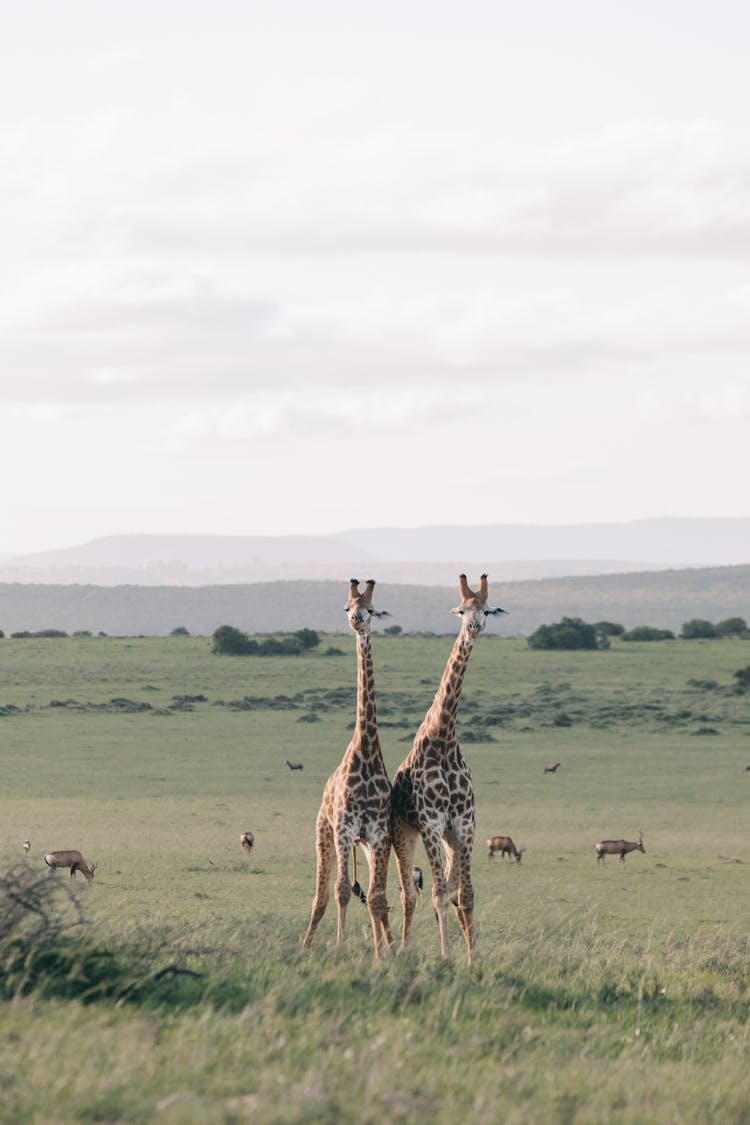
(498, 612)
(459, 609)
(379, 613)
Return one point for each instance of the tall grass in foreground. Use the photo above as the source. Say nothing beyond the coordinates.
(557, 1024)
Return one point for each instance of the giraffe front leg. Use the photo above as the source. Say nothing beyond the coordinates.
(404, 845)
(324, 854)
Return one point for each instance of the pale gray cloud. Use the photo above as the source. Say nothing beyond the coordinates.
(248, 252)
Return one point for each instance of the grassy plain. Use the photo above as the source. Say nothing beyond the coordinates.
(601, 992)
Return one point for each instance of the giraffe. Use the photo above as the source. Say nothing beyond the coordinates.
(433, 794)
(356, 806)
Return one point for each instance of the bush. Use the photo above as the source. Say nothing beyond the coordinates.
(743, 678)
(24, 634)
(609, 629)
(698, 629)
(732, 627)
(648, 633)
(180, 631)
(44, 949)
(228, 641)
(570, 633)
(393, 630)
(308, 638)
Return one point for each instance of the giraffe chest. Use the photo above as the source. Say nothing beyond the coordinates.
(434, 781)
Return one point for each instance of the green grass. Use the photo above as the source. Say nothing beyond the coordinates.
(610, 992)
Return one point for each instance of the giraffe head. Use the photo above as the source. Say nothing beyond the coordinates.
(473, 609)
(359, 609)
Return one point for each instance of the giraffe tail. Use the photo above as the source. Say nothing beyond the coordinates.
(358, 892)
(356, 888)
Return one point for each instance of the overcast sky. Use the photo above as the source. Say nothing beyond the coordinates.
(298, 267)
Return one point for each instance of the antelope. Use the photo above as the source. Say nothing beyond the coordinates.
(72, 859)
(618, 847)
(505, 846)
(247, 840)
(26, 847)
(552, 769)
(418, 878)
(294, 765)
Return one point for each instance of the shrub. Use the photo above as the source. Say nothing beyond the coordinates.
(280, 646)
(570, 633)
(648, 633)
(743, 678)
(609, 629)
(393, 630)
(228, 641)
(732, 627)
(308, 638)
(180, 631)
(698, 629)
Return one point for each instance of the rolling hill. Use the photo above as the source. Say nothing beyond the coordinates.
(663, 598)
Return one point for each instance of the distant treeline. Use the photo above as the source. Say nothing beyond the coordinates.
(664, 599)
(573, 633)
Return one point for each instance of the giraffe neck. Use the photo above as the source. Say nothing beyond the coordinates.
(441, 717)
(366, 724)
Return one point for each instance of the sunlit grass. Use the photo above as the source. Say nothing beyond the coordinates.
(615, 992)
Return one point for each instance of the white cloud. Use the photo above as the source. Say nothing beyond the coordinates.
(233, 236)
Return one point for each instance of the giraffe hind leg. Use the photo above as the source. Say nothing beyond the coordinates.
(404, 845)
(461, 891)
(440, 897)
(377, 858)
(344, 842)
(325, 855)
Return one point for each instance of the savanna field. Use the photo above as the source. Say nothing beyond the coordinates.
(173, 988)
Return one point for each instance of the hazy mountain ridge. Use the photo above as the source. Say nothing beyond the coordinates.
(663, 598)
(428, 555)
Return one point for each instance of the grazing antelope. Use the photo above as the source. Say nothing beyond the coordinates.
(72, 859)
(294, 765)
(247, 840)
(552, 769)
(26, 847)
(505, 846)
(418, 877)
(618, 847)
